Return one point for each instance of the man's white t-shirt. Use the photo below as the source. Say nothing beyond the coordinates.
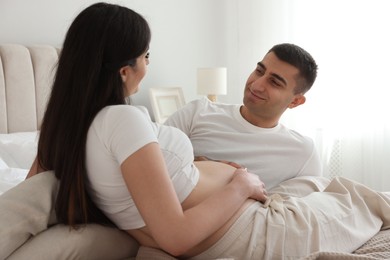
(219, 132)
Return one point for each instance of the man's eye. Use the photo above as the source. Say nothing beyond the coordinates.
(275, 83)
(260, 71)
(147, 55)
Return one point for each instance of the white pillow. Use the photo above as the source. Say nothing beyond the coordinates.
(18, 150)
(10, 177)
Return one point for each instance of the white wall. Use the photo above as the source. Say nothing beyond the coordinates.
(185, 35)
(262, 24)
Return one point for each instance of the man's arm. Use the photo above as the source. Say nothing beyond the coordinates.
(184, 117)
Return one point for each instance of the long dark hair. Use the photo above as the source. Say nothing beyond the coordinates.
(100, 39)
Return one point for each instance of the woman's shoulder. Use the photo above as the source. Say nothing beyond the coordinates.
(126, 109)
(113, 123)
(123, 112)
(122, 115)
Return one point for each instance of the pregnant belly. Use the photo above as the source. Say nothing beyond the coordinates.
(213, 176)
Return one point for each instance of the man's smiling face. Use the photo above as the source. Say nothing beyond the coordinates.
(269, 91)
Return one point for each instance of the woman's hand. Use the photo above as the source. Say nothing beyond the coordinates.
(252, 183)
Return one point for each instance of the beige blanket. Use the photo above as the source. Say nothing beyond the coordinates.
(377, 247)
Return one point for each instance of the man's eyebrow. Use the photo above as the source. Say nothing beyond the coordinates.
(261, 65)
(280, 78)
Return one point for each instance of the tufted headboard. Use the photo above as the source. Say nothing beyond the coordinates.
(26, 74)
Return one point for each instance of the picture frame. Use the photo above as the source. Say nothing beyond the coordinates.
(165, 101)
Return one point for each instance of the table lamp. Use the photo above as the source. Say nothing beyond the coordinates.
(211, 82)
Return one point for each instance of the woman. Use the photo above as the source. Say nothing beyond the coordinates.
(139, 174)
(102, 148)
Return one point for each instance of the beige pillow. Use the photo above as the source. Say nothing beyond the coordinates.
(26, 211)
(92, 242)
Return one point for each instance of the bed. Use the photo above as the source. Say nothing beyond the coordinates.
(28, 228)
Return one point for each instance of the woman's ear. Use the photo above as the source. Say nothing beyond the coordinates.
(123, 73)
(297, 101)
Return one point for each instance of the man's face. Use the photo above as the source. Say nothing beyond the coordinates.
(269, 91)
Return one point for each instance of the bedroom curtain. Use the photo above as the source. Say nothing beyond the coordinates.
(346, 112)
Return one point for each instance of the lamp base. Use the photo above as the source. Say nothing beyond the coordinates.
(212, 98)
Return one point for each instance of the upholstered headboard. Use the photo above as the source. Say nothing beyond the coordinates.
(26, 74)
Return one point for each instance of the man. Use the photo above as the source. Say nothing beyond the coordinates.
(250, 134)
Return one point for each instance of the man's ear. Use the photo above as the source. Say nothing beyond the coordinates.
(297, 101)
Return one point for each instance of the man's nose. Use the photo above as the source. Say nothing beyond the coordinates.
(259, 84)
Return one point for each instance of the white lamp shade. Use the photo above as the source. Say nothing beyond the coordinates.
(212, 81)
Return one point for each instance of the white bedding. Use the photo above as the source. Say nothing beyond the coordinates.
(17, 152)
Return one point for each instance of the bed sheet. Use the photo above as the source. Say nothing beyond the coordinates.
(17, 152)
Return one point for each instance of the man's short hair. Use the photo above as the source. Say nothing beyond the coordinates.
(302, 60)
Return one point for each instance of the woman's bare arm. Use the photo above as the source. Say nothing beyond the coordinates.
(176, 231)
(35, 169)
